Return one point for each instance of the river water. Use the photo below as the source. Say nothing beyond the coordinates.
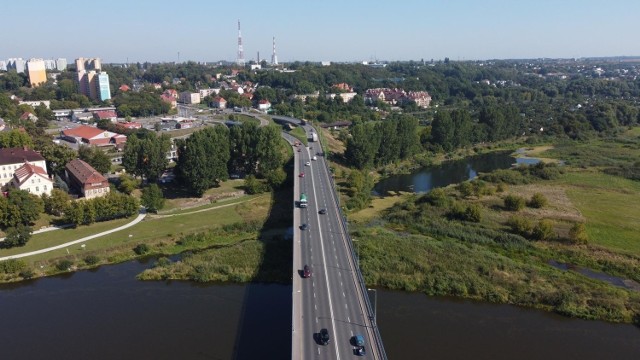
(451, 172)
(107, 314)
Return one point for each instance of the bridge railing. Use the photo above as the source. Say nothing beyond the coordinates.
(355, 259)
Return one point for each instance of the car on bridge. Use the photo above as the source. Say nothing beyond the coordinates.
(306, 271)
(304, 226)
(323, 337)
(301, 174)
(322, 211)
(308, 163)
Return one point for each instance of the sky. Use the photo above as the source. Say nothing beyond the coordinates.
(119, 31)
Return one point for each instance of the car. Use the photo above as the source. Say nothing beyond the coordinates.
(323, 337)
(359, 351)
(357, 340)
(322, 211)
(306, 271)
(308, 163)
(304, 226)
(301, 174)
(314, 158)
(299, 150)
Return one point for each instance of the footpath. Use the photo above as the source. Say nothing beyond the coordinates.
(139, 218)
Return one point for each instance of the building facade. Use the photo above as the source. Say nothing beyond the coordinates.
(103, 89)
(11, 159)
(37, 72)
(33, 179)
(85, 180)
(187, 97)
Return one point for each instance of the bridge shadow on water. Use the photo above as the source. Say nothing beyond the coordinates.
(264, 329)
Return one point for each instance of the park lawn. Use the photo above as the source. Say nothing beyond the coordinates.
(57, 237)
(228, 187)
(611, 206)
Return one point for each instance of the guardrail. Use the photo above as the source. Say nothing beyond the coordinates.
(354, 258)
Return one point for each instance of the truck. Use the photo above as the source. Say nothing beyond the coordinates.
(313, 137)
(303, 200)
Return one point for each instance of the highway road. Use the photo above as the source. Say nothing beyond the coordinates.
(331, 298)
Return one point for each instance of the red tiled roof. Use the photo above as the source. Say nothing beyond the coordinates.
(106, 114)
(83, 131)
(219, 99)
(124, 87)
(27, 170)
(25, 115)
(264, 101)
(18, 155)
(83, 172)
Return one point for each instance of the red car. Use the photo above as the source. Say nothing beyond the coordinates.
(301, 174)
(306, 271)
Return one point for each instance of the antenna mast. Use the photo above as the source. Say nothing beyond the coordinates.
(240, 60)
(274, 57)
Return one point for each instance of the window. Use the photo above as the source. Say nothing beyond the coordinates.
(37, 188)
(45, 188)
(33, 181)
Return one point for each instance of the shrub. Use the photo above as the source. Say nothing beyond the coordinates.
(64, 265)
(91, 259)
(501, 187)
(507, 176)
(543, 230)
(437, 197)
(141, 249)
(520, 225)
(537, 201)
(578, 233)
(473, 213)
(514, 202)
(27, 273)
(466, 189)
(12, 266)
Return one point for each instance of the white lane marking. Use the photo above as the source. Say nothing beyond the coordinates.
(324, 264)
(344, 294)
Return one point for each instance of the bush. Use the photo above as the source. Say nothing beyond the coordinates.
(501, 187)
(466, 189)
(543, 230)
(537, 201)
(12, 266)
(436, 197)
(64, 265)
(520, 225)
(507, 176)
(27, 273)
(91, 259)
(578, 233)
(470, 212)
(141, 249)
(514, 202)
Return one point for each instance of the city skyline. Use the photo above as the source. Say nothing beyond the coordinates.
(157, 31)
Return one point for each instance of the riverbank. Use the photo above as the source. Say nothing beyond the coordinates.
(427, 244)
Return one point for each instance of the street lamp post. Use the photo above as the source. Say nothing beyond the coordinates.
(375, 305)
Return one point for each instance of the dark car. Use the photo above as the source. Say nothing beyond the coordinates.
(359, 351)
(324, 337)
(304, 226)
(306, 271)
(357, 340)
(322, 211)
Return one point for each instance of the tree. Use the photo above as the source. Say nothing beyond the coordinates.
(203, 158)
(537, 201)
(27, 207)
(152, 198)
(57, 157)
(363, 145)
(17, 236)
(15, 138)
(145, 154)
(96, 158)
(57, 203)
(443, 131)
(253, 185)
(269, 150)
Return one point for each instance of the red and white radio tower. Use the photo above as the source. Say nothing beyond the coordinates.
(240, 60)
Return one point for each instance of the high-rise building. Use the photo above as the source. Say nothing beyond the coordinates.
(87, 84)
(102, 83)
(36, 71)
(16, 64)
(88, 64)
(3, 65)
(61, 64)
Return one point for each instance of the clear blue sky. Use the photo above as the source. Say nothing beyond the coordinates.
(315, 30)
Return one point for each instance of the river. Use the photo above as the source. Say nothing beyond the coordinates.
(450, 172)
(106, 314)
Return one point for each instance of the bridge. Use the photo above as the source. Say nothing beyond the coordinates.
(334, 296)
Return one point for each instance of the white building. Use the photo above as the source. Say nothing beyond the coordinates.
(33, 179)
(187, 97)
(17, 64)
(11, 159)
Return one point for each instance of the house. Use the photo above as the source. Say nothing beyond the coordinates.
(397, 96)
(85, 180)
(171, 92)
(13, 158)
(27, 115)
(346, 96)
(157, 86)
(93, 136)
(106, 115)
(124, 88)
(169, 125)
(62, 114)
(169, 100)
(82, 116)
(187, 97)
(187, 124)
(264, 104)
(130, 125)
(36, 103)
(33, 179)
(219, 102)
(206, 92)
(343, 87)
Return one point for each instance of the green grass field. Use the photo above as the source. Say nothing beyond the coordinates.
(611, 205)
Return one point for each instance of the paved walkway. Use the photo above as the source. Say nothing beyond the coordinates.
(139, 218)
